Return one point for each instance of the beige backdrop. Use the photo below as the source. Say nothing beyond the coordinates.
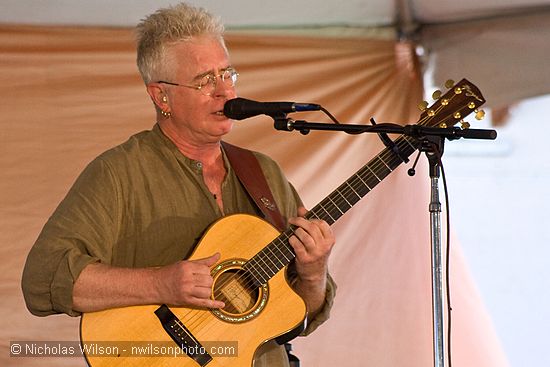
(67, 94)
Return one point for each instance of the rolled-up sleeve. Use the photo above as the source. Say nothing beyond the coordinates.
(80, 231)
(324, 313)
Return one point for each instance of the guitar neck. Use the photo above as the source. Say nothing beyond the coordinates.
(362, 182)
(277, 254)
(458, 102)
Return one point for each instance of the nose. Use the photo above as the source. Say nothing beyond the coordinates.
(224, 89)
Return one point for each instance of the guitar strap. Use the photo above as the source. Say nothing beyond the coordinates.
(248, 170)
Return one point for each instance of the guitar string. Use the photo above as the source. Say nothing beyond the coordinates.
(349, 183)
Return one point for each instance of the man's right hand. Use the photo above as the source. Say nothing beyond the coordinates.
(188, 283)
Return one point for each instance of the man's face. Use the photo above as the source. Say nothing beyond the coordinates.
(199, 118)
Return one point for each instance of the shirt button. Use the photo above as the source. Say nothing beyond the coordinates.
(199, 165)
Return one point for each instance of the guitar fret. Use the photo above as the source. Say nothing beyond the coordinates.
(313, 215)
(267, 265)
(380, 158)
(336, 206)
(255, 271)
(408, 142)
(352, 189)
(284, 251)
(392, 161)
(286, 258)
(263, 272)
(277, 251)
(283, 248)
(263, 268)
(364, 183)
(323, 207)
(270, 247)
(379, 180)
(343, 196)
(382, 169)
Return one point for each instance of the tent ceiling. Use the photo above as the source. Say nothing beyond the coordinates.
(501, 44)
(248, 13)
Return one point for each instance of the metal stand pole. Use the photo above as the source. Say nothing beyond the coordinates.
(437, 267)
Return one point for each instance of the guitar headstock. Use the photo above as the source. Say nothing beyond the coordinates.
(459, 101)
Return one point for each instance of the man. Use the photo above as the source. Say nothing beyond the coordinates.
(118, 236)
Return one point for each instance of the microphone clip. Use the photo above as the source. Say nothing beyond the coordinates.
(282, 122)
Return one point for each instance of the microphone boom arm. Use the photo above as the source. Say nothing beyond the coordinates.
(416, 131)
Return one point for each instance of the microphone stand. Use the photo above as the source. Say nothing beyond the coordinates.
(432, 143)
(434, 152)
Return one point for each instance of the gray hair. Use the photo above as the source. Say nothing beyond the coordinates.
(168, 25)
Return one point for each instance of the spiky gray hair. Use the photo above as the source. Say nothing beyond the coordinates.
(169, 25)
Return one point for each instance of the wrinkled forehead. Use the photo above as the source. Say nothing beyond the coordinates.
(197, 56)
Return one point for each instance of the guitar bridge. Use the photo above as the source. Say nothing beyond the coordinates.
(182, 336)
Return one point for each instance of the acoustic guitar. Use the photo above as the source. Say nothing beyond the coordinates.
(260, 304)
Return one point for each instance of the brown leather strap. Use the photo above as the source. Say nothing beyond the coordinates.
(250, 174)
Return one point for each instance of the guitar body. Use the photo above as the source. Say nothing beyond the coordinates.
(253, 317)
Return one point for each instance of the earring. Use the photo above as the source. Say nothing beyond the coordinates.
(162, 112)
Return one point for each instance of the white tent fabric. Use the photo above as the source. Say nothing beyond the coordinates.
(506, 56)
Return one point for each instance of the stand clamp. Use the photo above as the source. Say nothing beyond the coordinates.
(390, 144)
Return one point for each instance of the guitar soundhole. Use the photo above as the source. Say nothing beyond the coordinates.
(235, 287)
(237, 291)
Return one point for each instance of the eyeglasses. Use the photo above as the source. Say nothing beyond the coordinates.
(208, 83)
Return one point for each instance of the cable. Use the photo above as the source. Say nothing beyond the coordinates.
(330, 115)
(447, 260)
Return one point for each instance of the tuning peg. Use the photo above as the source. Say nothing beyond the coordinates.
(436, 94)
(480, 114)
(457, 115)
(423, 105)
(444, 102)
(465, 124)
(458, 90)
(449, 83)
(471, 105)
(443, 125)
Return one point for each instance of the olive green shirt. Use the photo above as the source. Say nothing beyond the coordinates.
(140, 204)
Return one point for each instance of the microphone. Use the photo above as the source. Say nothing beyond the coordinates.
(242, 108)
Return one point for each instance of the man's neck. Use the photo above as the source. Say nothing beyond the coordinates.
(207, 153)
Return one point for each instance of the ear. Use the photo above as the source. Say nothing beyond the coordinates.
(158, 96)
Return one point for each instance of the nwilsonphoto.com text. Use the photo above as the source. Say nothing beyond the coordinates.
(120, 349)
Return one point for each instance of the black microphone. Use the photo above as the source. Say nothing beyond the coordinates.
(242, 108)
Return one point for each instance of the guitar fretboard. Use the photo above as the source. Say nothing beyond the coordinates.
(279, 253)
